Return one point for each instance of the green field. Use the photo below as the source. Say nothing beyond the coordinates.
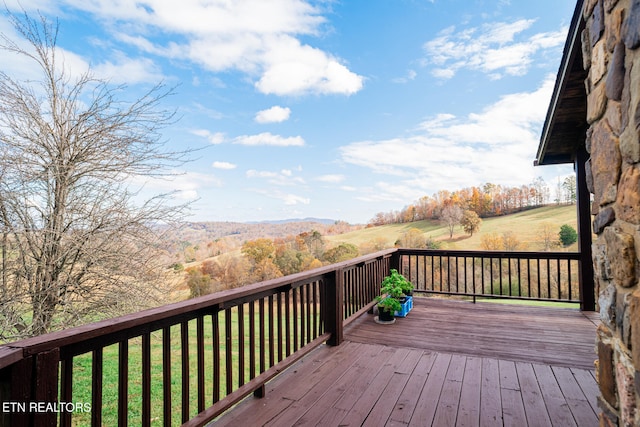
(525, 225)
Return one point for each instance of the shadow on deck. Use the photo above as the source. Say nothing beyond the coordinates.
(447, 363)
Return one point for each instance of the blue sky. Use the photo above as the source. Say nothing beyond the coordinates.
(330, 109)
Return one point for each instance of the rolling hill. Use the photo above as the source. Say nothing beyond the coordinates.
(525, 225)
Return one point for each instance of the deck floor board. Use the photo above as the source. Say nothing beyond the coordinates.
(447, 363)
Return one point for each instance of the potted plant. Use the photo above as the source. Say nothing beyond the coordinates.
(396, 282)
(387, 307)
(394, 299)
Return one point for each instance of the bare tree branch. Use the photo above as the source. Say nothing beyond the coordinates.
(77, 242)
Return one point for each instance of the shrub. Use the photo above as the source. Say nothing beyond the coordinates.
(568, 235)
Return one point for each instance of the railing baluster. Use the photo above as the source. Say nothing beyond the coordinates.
(166, 376)
(200, 361)
(316, 332)
(240, 316)
(66, 389)
(287, 322)
(184, 354)
(146, 380)
(96, 387)
(570, 296)
(123, 383)
(308, 302)
(279, 310)
(261, 332)
(510, 280)
(271, 335)
(295, 319)
(559, 282)
(217, 376)
(548, 278)
(228, 351)
(529, 277)
(252, 340)
(302, 316)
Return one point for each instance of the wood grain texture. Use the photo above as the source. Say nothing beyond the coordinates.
(447, 363)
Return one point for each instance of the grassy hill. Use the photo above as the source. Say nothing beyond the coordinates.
(526, 225)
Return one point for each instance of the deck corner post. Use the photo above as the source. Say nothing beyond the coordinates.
(334, 291)
(583, 205)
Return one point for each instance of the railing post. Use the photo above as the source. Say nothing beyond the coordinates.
(583, 205)
(34, 380)
(333, 307)
(395, 261)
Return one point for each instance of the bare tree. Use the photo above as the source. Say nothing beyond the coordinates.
(548, 236)
(450, 217)
(79, 240)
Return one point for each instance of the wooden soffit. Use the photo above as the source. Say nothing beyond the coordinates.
(565, 125)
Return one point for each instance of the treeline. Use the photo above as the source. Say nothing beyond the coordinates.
(486, 200)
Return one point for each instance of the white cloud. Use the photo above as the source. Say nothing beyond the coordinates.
(253, 36)
(275, 114)
(283, 178)
(331, 179)
(288, 198)
(411, 75)
(129, 70)
(497, 144)
(294, 69)
(223, 165)
(184, 185)
(267, 138)
(213, 138)
(494, 48)
(252, 173)
(292, 199)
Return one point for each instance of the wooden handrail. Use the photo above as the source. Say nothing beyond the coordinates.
(231, 342)
(300, 311)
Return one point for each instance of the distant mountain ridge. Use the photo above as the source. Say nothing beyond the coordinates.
(325, 221)
(202, 232)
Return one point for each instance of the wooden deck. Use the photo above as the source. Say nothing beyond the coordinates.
(448, 363)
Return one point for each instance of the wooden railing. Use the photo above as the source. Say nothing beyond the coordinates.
(185, 362)
(547, 276)
(188, 362)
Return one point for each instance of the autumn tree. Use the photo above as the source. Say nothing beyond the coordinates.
(261, 253)
(291, 261)
(227, 272)
(470, 222)
(258, 250)
(510, 241)
(450, 217)
(491, 242)
(374, 245)
(342, 252)
(79, 240)
(314, 242)
(412, 238)
(198, 282)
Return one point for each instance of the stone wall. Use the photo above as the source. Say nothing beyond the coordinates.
(611, 53)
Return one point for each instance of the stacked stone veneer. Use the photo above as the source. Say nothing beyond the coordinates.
(611, 53)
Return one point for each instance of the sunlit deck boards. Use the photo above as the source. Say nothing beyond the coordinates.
(377, 379)
(564, 337)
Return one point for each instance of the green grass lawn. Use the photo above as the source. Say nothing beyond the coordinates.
(526, 225)
(82, 373)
